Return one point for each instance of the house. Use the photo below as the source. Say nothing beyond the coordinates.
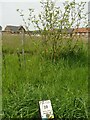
(0, 28)
(14, 29)
(70, 31)
(82, 31)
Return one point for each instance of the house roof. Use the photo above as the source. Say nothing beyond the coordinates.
(70, 30)
(76, 30)
(14, 28)
(81, 30)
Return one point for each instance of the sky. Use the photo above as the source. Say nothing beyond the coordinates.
(9, 15)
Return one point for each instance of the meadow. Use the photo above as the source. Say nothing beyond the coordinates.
(32, 77)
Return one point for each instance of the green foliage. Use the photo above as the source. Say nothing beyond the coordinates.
(54, 66)
(64, 83)
(54, 24)
(27, 82)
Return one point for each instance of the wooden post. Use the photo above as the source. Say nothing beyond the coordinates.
(23, 44)
(22, 39)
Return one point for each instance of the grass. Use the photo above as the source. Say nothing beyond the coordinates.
(25, 83)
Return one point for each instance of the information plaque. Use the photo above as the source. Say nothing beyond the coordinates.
(46, 109)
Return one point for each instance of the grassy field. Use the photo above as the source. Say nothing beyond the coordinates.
(29, 79)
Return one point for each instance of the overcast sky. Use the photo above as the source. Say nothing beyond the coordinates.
(9, 15)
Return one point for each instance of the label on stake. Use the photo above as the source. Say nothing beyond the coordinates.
(46, 109)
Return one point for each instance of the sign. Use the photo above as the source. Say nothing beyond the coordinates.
(46, 109)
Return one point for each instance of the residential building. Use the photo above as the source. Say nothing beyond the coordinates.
(14, 29)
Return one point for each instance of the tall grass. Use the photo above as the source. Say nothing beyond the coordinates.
(64, 82)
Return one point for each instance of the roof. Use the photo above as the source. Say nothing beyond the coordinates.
(81, 30)
(14, 28)
(70, 30)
